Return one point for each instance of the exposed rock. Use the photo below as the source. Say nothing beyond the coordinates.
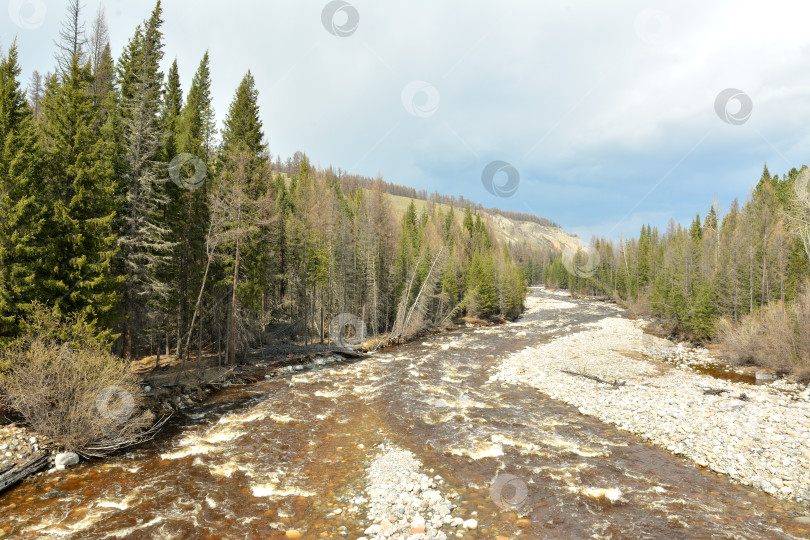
(758, 441)
(402, 502)
(65, 459)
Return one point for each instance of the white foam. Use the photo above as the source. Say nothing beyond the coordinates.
(481, 451)
(611, 494)
(274, 491)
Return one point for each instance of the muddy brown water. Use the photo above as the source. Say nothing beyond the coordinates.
(283, 453)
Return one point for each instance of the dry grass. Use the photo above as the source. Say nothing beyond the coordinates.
(776, 337)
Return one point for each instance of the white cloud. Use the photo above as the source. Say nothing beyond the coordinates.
(568, 92)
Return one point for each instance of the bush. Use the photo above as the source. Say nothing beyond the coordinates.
(776, 337)
(68, 386)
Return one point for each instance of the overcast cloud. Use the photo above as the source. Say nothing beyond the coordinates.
(606, 109)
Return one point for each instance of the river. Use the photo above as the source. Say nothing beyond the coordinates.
(283, 453)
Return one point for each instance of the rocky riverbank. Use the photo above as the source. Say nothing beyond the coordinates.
(756, 435)
(405, 502)
(17, 444)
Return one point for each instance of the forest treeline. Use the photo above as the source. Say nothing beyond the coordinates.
(742, 277)
(123, 206)
(350, 182)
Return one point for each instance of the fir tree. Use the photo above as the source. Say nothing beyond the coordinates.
(144, 237)
(243, 127)
(23, 203)
(195, 131)
(170, 113)
(247, 211)
(81, 182)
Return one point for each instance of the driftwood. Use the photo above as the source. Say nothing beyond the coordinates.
(104, 447)
(23, 470)
(281, 349)
(714, 391)
(615, 383)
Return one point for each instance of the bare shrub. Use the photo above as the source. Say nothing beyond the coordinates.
(67, 385)
(776, 337)
(641, 307)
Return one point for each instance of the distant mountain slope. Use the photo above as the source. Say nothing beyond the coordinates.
(511, 231)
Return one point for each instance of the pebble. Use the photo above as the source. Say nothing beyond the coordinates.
(761, 440)
(402, 502)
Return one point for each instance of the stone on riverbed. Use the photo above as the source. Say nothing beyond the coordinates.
(65, 459)
(767, 487)
(418, 525)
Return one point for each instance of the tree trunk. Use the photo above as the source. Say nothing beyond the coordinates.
(233, 303)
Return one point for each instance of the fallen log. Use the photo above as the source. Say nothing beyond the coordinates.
(24, 469)
(615, 383)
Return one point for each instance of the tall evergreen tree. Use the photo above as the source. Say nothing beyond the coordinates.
(243, 126)
(248, 209)
(81, 182)
(144, 237)
(197, 120)
(23, 202)
(189, 215)
(170, 112)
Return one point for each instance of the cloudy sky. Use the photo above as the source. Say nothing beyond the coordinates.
(607, 112)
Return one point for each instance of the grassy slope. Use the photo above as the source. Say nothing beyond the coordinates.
(509, 230)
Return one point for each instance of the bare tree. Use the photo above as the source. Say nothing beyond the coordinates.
(36, 90)
(72, 39)
(798, 214)
(410, 316)
(97, 41)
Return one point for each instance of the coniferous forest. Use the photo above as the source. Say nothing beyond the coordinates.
(741, 277)
(206, 332)
(124, 208)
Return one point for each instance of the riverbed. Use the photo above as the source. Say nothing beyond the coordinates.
(320, 452)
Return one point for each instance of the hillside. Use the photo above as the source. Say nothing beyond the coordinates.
(508, 230)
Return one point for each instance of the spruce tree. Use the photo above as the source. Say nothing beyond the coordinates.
(144, 237)
(23, 202)
(189, 217)
(103, 78)
(81, 182)
(170, 112)
(195, 133)
(247, 207)
(243, 127)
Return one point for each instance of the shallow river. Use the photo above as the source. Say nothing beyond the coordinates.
(283, 453)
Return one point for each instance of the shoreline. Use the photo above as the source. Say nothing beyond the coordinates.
(756, 435)
(19, 443)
